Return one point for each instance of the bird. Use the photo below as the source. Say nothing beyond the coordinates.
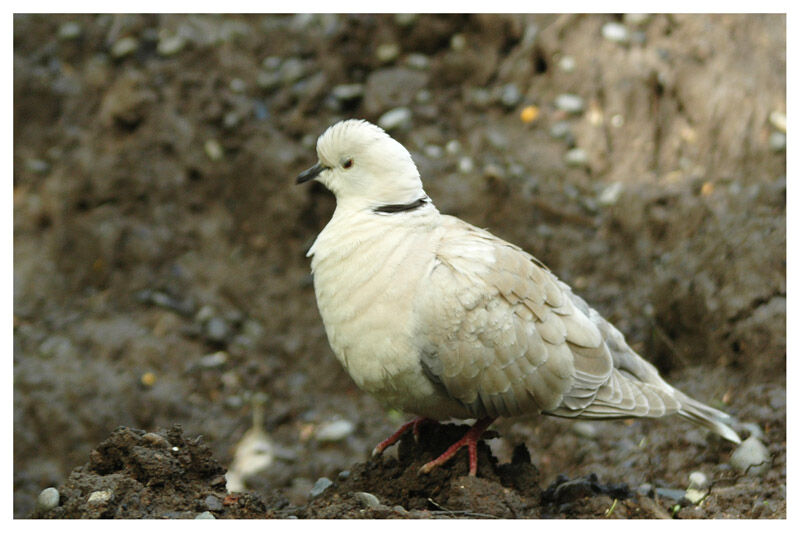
(441, 319)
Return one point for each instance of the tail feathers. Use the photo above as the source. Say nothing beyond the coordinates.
(707, 417)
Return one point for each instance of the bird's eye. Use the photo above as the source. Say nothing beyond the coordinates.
(348, 163)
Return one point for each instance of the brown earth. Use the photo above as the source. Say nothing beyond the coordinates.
(159, 242)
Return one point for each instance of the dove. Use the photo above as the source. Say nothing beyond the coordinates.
(441, 319)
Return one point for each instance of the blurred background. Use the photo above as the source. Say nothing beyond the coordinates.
(159, 241)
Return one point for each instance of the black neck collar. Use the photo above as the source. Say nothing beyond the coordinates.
(400, 208)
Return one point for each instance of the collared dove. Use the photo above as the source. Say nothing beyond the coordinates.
(439, 318)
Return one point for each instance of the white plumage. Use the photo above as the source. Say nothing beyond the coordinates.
(436, 317)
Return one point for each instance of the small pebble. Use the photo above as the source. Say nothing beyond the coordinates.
(217, 329)
(433, 151)
(561, 130)
(205, 515)
(272, 62)
(213, 150)
(214, 360)
(99, 497)
(695, 495)
(617, 121)
(698, 480)
(452, 147)
(367, 500)
(750, 453)
(319, 487)
(344, 474)
(418, 61)
(387, 52)
(458, 42)
(347, 92)
(405, 19)
(777, 141)
(510, 95)
(154, 439)
(37, 166)
(334, 431)
(466, 165)
(170, 45)
(48, 499)
(213, 503)
(570, 103)
(529, 114)
(611, 194)
(291, 70)
(616, 32)
(577, 157)
(124, 47)
(586, 430)
(778, 120)
(69, 30)
(644, 489)
(237, 85)
(397, 118)
(567, 64)
(636, 19)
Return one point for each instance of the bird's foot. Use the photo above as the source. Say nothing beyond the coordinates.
(394, 437)
(470, 440)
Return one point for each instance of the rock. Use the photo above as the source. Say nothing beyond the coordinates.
(616, 32)
(124, 47)
(466, 165)
(387, 52)
(348, 92)
(319, 487)
(367, 500)
(214, 360)
(213, 503)
(777, 141)
(698, 480)
(217, 329)
(205, 515)
(170, 44)
(334, 431)
(397, 118)
(567, 64)
(611, 194)
(577, 157)
(99, 497)
(510, 95)
(418, 61)
(213, 150)
(587, 430)
(778, 120)
(751, 456)
(69, 30)
(48, 499)
(570, 103)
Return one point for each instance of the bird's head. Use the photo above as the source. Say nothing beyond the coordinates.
(363, 166)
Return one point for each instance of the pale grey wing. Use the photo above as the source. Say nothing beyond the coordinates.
(499, 332)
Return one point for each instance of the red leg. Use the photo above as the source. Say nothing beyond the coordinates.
(470, 439)
(394, 437)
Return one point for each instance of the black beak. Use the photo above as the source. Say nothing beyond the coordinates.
(310, 174)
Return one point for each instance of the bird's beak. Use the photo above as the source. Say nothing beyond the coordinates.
(310, 174)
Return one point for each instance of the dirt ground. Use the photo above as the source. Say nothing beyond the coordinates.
(161, 284)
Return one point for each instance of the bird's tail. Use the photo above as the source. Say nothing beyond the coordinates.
(707, 417)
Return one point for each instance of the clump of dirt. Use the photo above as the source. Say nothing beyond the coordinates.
(137, 474)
